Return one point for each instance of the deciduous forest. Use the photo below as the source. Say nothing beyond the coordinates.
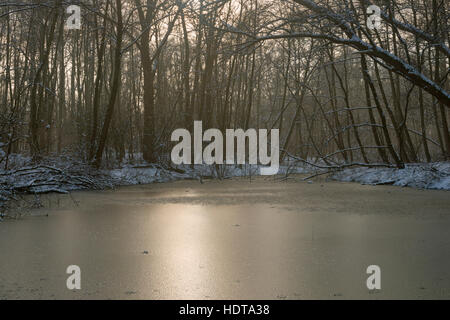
(225, 149)
(339, 90)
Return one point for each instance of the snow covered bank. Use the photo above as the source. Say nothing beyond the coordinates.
(62, 175)
(49, 176)
(421, 175)
(132, 175)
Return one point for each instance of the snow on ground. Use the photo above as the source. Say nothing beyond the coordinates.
(132, 175)
(63, 175)
(49, 176)
(418, 175)
(228, 171)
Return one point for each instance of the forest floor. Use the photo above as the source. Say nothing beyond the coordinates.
(63, 175)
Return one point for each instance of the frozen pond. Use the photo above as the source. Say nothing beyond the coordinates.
(235, 239)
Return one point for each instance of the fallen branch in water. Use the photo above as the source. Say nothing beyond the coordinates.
(342, 166)
(331, 169)
(43, 178)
